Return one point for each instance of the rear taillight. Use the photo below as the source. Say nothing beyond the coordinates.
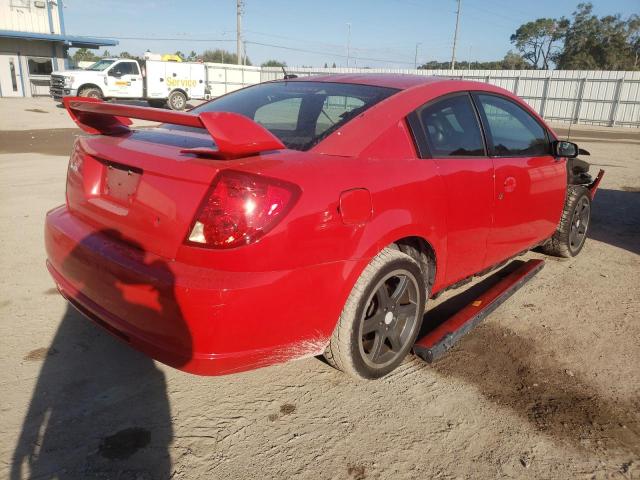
(239, 209)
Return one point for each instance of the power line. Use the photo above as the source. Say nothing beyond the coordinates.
(351, 56)
(249, 42)
(332, 54)
(391, 48)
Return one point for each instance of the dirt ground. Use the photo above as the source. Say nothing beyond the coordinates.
(547, 387)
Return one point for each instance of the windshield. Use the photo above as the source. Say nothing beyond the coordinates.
(300, 114)
(100, 65)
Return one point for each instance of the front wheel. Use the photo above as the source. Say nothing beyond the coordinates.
(91, 92)
(571, 233)
(381, 318)
(177, 100)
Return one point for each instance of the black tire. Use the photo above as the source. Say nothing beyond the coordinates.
(381, 318)
(571, 233)
(91, 92)
(157, 103)
(177, 100)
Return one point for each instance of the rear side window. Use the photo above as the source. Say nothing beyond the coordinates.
(451, 128)
(513, 131)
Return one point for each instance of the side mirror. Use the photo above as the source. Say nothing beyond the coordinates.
(115, 73)
(565, 149)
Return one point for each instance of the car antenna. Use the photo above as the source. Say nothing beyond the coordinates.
(569, 131)
(286, 75)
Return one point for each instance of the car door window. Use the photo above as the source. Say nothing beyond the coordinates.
(513, 131)
(123, 68)
(127, 68)
(451, 128)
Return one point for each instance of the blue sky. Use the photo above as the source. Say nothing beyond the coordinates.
(384, 33)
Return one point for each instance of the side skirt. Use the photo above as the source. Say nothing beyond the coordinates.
(438, 341)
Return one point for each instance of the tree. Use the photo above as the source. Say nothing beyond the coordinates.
(106, 54)
(129, 56)
(334, 65)
(180, 54)
(273, 63)
(635, 43)
(607, 43)
(220, 56)
(538, 41)
(84, 55)
(193, 56)
(513, 61)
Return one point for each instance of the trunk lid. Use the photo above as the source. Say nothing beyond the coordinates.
(139, 186)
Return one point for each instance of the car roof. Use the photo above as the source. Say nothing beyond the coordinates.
(390, 80)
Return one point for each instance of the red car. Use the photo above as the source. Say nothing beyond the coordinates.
(305, 216)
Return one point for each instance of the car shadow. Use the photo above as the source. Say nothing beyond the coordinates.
(615, 219)
(521, 376)
(99, 408)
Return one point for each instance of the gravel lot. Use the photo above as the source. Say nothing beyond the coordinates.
(547, 387)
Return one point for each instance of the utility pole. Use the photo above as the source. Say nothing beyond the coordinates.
(239, 11)
(348, 43)
(455, 38)
(415, 58)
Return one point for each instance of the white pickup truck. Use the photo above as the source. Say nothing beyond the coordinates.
(158, 82)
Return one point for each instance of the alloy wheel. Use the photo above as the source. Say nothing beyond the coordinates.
(579, 224)
(390, 318)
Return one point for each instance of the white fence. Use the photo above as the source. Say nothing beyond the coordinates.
(578, 96)
(588, 97)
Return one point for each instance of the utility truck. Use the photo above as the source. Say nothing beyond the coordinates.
(159, 82)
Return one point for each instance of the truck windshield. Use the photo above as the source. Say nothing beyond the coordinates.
(300, 113)
(100, 65)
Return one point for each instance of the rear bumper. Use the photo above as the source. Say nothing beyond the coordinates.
(195, 319)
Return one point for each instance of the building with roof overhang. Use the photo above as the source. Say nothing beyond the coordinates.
(34, 43)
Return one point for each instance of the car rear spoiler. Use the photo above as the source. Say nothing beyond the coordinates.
(234, 135)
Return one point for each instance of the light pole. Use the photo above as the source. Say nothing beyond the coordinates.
(348, 43)
(455, 38)
(239, 9)
(415, 58)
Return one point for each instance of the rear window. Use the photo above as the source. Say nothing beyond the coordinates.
(451, 128)
(300, 114)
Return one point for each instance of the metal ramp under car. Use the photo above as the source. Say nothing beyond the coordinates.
(446, 333)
